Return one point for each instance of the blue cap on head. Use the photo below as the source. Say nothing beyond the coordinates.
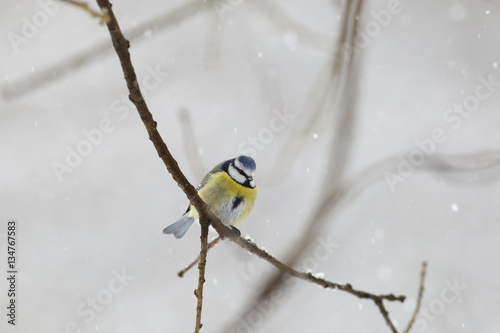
(247, 162)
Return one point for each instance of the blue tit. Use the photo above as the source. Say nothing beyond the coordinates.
(228, 190)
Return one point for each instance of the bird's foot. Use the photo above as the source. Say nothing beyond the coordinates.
(236, 231)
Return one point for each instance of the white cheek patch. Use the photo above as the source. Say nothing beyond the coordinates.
(236, 175)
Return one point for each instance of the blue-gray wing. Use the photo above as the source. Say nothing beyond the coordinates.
(205, 179)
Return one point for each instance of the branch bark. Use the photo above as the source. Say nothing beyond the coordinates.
(201, 277)
(194, 262)
(419, 298)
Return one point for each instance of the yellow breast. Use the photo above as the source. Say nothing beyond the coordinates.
(219, 193)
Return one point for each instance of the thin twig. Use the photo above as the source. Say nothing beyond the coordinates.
(419, 299)
(201, 268)
(385, 314)
(194, 262)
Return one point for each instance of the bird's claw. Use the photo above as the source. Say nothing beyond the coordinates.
(236, 231)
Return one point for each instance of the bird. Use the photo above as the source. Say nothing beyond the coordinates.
(229, 191)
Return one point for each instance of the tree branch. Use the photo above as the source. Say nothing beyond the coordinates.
(201, 268)
(194, 262)
(419, 299)
(385, 314)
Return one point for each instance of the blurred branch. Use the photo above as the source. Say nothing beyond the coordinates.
(61, 68)
(190, 146)
(313, 113)
(213, 45)
(276, 16)
(328, 92)
(102, 16)
(479, 167)
(419, 298)
(341, 105)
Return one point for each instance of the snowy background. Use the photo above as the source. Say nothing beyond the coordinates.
(231, 71)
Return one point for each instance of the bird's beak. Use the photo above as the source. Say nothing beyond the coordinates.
(250, 178)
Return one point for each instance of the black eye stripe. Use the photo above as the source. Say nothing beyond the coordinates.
(240, 171)
(248, 179)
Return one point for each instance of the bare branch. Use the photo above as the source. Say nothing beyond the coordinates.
(201, 268)
(385, 314)
(194, 262)
(419, 299)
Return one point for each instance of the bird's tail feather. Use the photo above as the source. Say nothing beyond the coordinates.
(180, 227)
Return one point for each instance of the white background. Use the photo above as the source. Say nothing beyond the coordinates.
(230, 73)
